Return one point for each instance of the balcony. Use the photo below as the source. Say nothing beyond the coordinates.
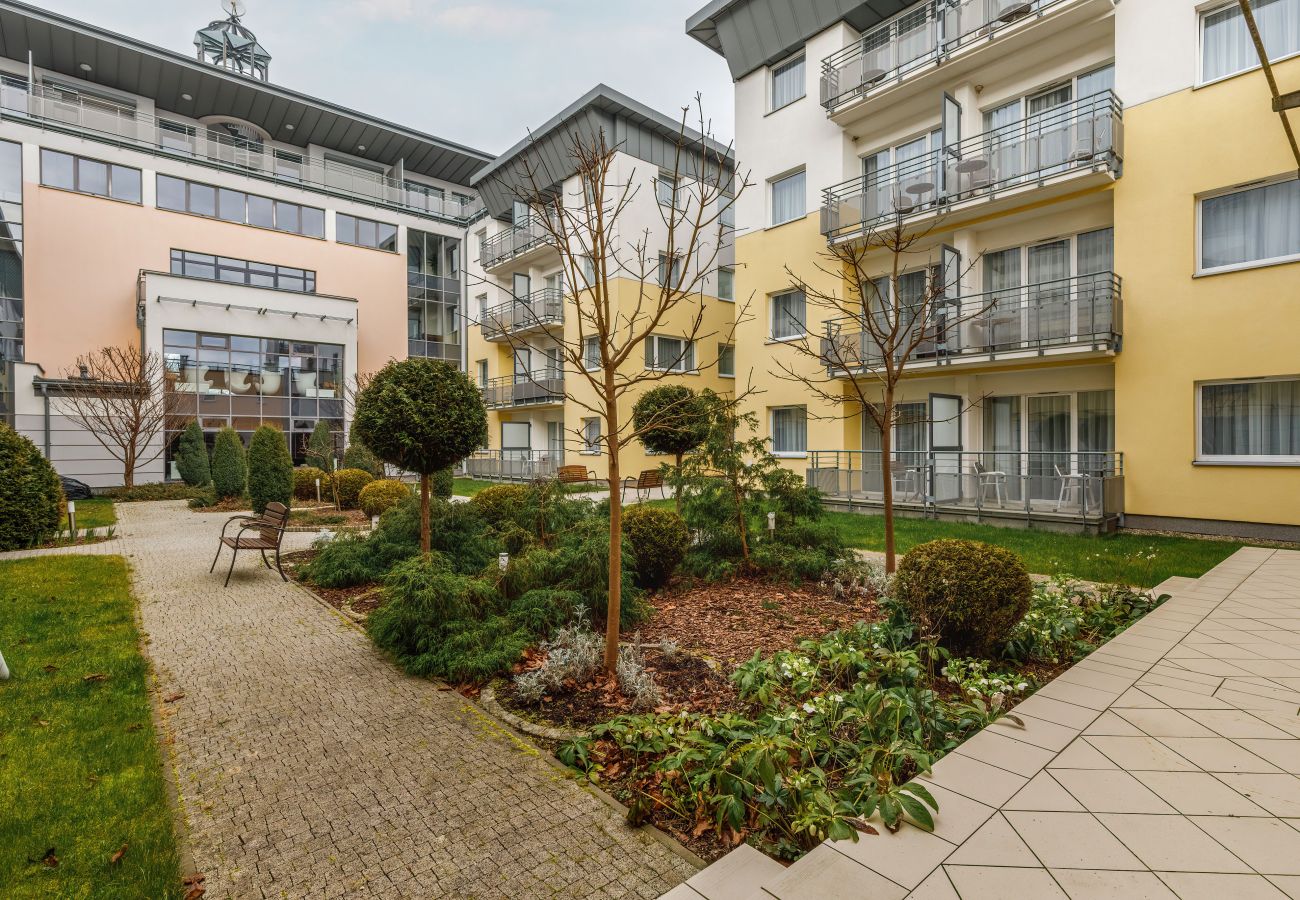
(520, 242)
(514, 465)
(524, 314)
(1069, 148)
(544, 387)
(944, 38)
(430, 349)
(1063, 489)
(124, 126)
(1073, 317)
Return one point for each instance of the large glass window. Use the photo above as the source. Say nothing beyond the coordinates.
(433, 295)
(788, 198)
(669, 354)
(1250, 421)
(200, 199)
(788, 82)
(90, 176)
(789, 430)
(1226, 44)
(11, 262)
(1257, 225)
(366, 233)
(789, 310)
(242, 271)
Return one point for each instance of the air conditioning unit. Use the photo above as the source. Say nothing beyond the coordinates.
(1010, 10)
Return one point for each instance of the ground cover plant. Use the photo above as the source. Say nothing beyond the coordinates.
(81, 779)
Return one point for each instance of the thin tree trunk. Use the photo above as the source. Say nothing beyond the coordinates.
(887, 473)
(424, 513)
(740, 519)
(678, 487)
(614, 608)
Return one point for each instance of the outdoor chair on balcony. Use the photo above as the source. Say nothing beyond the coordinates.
(265, 532)
(1072, 487)
(986, 480)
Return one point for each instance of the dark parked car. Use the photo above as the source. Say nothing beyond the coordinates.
(75, 490)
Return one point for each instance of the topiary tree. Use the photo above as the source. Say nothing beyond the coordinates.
(659, 539)
(443, 483)
(421, 415)
(270, 468)
(229, 465)
(31, 496)
(966, 594)
(192, 456)
(673, 419)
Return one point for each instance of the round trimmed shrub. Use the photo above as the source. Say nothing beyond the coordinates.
(358, 457)
(378, 497)
(192, 456)
(659, 540)
(270, 468)
(500, 503)
(31, 496)
(229, 465)
(442, 483)
(304, 483)
(969, 594)
(349, 483)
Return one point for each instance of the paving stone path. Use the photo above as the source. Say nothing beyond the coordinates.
(308, 765)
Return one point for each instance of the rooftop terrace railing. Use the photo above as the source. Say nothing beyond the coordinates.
(122, 125)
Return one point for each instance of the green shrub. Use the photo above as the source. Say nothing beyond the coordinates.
(500, 504)
(304, 483)
(192, 456)
(969, 594)
(358, 457)
(543, 610)
(658, 539)
(320, 447)
(270, 469)
(348, 484)
(379, 497)
(31, 496)
(229, 465)
(442, 483)
(158, 490)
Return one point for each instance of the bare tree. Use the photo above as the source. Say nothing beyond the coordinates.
(120, 395)
(875, 329)
(604, 349)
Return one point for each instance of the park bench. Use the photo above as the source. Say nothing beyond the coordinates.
(575, 475)
(644, 483)
(266, 532)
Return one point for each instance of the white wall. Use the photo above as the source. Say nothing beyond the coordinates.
(1156, 47)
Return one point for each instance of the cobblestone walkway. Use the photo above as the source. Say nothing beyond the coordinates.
(308, 765)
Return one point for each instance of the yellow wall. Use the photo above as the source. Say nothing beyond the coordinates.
(1180, 329)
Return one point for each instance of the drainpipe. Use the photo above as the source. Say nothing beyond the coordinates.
(45, 392)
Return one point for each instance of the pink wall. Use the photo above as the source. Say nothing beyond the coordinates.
(84, 254)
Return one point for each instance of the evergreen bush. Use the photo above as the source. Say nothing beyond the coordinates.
(358, 457)
(442, 483)
(500, 504)
(658, 539)
(31, 495)
(320, 448)
(192, 456)
(304, 483)
(270, 469)
(229, 465)
(379, 497)
(348, 484)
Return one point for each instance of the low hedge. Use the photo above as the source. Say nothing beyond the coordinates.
(378, 497)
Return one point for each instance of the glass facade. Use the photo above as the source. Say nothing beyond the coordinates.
(433, 320)
(243, 382)
(242, 271)
(11, 270)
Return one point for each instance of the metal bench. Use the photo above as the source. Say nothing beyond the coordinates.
(575, 475)
(267, 534)
(644, 483)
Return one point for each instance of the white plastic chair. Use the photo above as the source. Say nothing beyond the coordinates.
(1071, 487)
(986, 479)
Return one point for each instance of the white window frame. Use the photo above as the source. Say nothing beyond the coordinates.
(794, 58)
(729, 270)
(665, 181)
(1201, 80)
(771, 196)
(687, 353)
(590, 447)
(771, 429)
(482, 372)
(1241, 266)
(589, 343)
(771, 317)
(673, 270)
(721, 349)
(1238, 459)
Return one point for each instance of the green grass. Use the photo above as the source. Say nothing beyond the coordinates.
(80, 770)
(468, 487)
(94, 513)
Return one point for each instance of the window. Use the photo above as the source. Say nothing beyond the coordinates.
(788, 82)
(366, 233)
(727, 284)
(668, 354)
(790, 430)
(591, 435)
(200, 199)
(1258, 225)
(727, 215)
(676, 270)
(241, 271)
(482, 373)
(480, 306)
(667, 190)
(90, 176)
(589, 271)
(481, 237)
(788, 312)
(591, 353)
(1250, 421)
(788, 200)
(727, 360)
(1226, 45)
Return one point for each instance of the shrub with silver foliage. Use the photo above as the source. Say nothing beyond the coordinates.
(573, 653)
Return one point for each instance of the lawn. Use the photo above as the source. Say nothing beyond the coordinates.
(468, 487)
(94, 513)
(81, 777)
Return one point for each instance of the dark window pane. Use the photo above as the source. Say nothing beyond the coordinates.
(286, 216)
(313, 222)
(387, 237)
(171, 193)
(261, 211)
(347, 229)
(231, 205)
(57, 170)
(92, 177)
(126, 184)
(366, 233)
(178, 262)
(180, 338)
(203, 199)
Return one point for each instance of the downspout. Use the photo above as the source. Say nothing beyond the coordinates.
(45, 393)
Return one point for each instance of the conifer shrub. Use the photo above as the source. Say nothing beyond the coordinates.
(500, 504)
(348, 484)
(304, 483)
(658, 539)
(270, 469)
(31, 495)
(358, 457)
(229, 465)
(379, 497)
(192, 462)
(442, 483)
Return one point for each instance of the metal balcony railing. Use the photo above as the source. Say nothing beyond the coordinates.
(1083, 312)
(535, 389)
(917, 38)
(543, 307)
(126, 127)
(518, 238)
(1085, 486)
(1079, 135)
(514, 465)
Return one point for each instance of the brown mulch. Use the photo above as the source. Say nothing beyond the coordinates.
(728, 621)
(327, 517)
(357, 602)
(230, 504)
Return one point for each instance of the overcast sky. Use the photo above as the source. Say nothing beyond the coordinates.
(473, 71)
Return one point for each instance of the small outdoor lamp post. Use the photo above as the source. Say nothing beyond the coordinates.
(72, 520)
(503, 561)
(318, 490)
(771, 525)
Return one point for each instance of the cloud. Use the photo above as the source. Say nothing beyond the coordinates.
(470, 18)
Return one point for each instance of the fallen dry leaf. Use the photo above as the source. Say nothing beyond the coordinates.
(50, 667)
(117, 857)
(172, 698)
(49, 859)
(95, 676)
(195, 892)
